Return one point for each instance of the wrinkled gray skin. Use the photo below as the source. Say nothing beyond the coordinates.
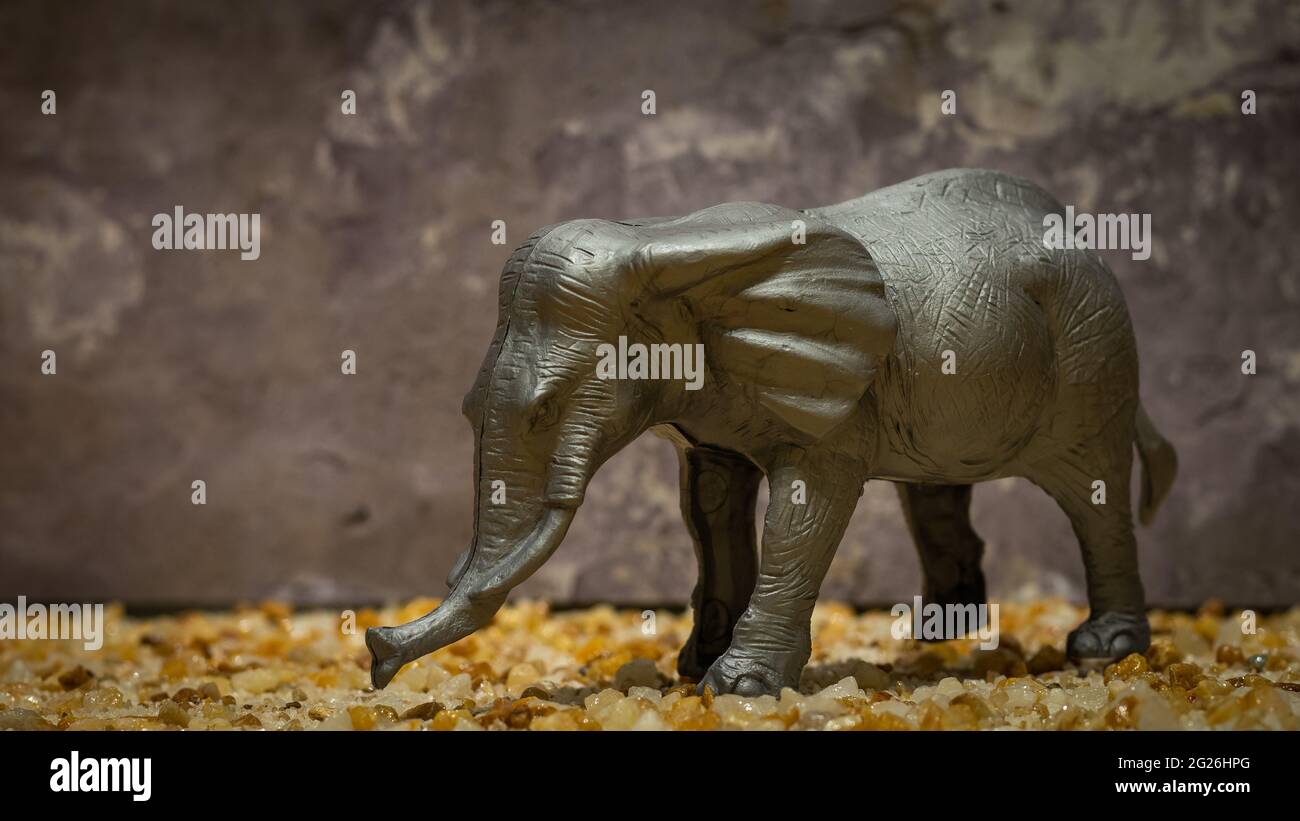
(824, 365)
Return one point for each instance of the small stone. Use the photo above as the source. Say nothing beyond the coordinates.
(293, 705)
(1184, 675)
(210, 691)
(20, 718)
(319, 713)
(870, 677)
(421, 712)
(829, 701)
(1258, 662)
(1229, 633)
(1134, 664)
(299, 694)
(648, 694)
(249, 720)
(187, 695)
(74, 678)
(260, 680)
(175, 668)
(385, 714)
(1228, 654)
(454, 690)
(1124, 714)
(337, 721)
(637, 673)
(105, 698)
(1047, 659)
(1001, 661)
(520, 678)
(363, 718)
(536, 692)
(1189, 642)
(950, 686)
(1161, 654)
(169, 712)
(1154, 713)
(978, 706)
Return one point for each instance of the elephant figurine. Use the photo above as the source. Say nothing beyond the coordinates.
(923, 333)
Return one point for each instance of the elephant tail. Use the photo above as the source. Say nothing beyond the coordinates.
(1159, 466)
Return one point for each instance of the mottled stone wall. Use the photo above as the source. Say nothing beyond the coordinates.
(376, 237)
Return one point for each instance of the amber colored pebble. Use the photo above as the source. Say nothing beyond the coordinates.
(931, 717)
(248, 720)
(385, 714)
(187, 695)
(74, 678)
(446, 720)
(1124, 715)
(1184, 675)
(974, 703)
(1134, 664)
(1161, 654)
(999, 660)
(363, 718)
(169, 712)
(1228, 654)
(1047, 659)
(174, 668)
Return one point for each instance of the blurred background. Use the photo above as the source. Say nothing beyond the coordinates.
(376, 237)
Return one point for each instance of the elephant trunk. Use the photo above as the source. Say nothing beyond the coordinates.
(477, 597)
(513, 537)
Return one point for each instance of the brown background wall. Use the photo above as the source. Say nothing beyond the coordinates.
(376, 237)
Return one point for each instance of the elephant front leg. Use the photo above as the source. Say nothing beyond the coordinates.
(719, 493)
(812, 499)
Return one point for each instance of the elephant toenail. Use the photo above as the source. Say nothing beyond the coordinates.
(1122, 645)
(1084, 645)
(749, 685)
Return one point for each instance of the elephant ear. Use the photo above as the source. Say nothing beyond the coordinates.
(802, 324)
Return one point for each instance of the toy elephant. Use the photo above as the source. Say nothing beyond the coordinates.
(923, 333)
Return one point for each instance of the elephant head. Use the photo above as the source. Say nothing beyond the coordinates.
(791, 314)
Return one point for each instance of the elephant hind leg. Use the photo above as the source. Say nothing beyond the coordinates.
(938, 517)
(719, 492)
(1091, 484)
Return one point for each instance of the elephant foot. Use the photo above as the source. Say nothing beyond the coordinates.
(708, 640)
(386, 656)
(693, 662)
(1110, 635)
(744, 675)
